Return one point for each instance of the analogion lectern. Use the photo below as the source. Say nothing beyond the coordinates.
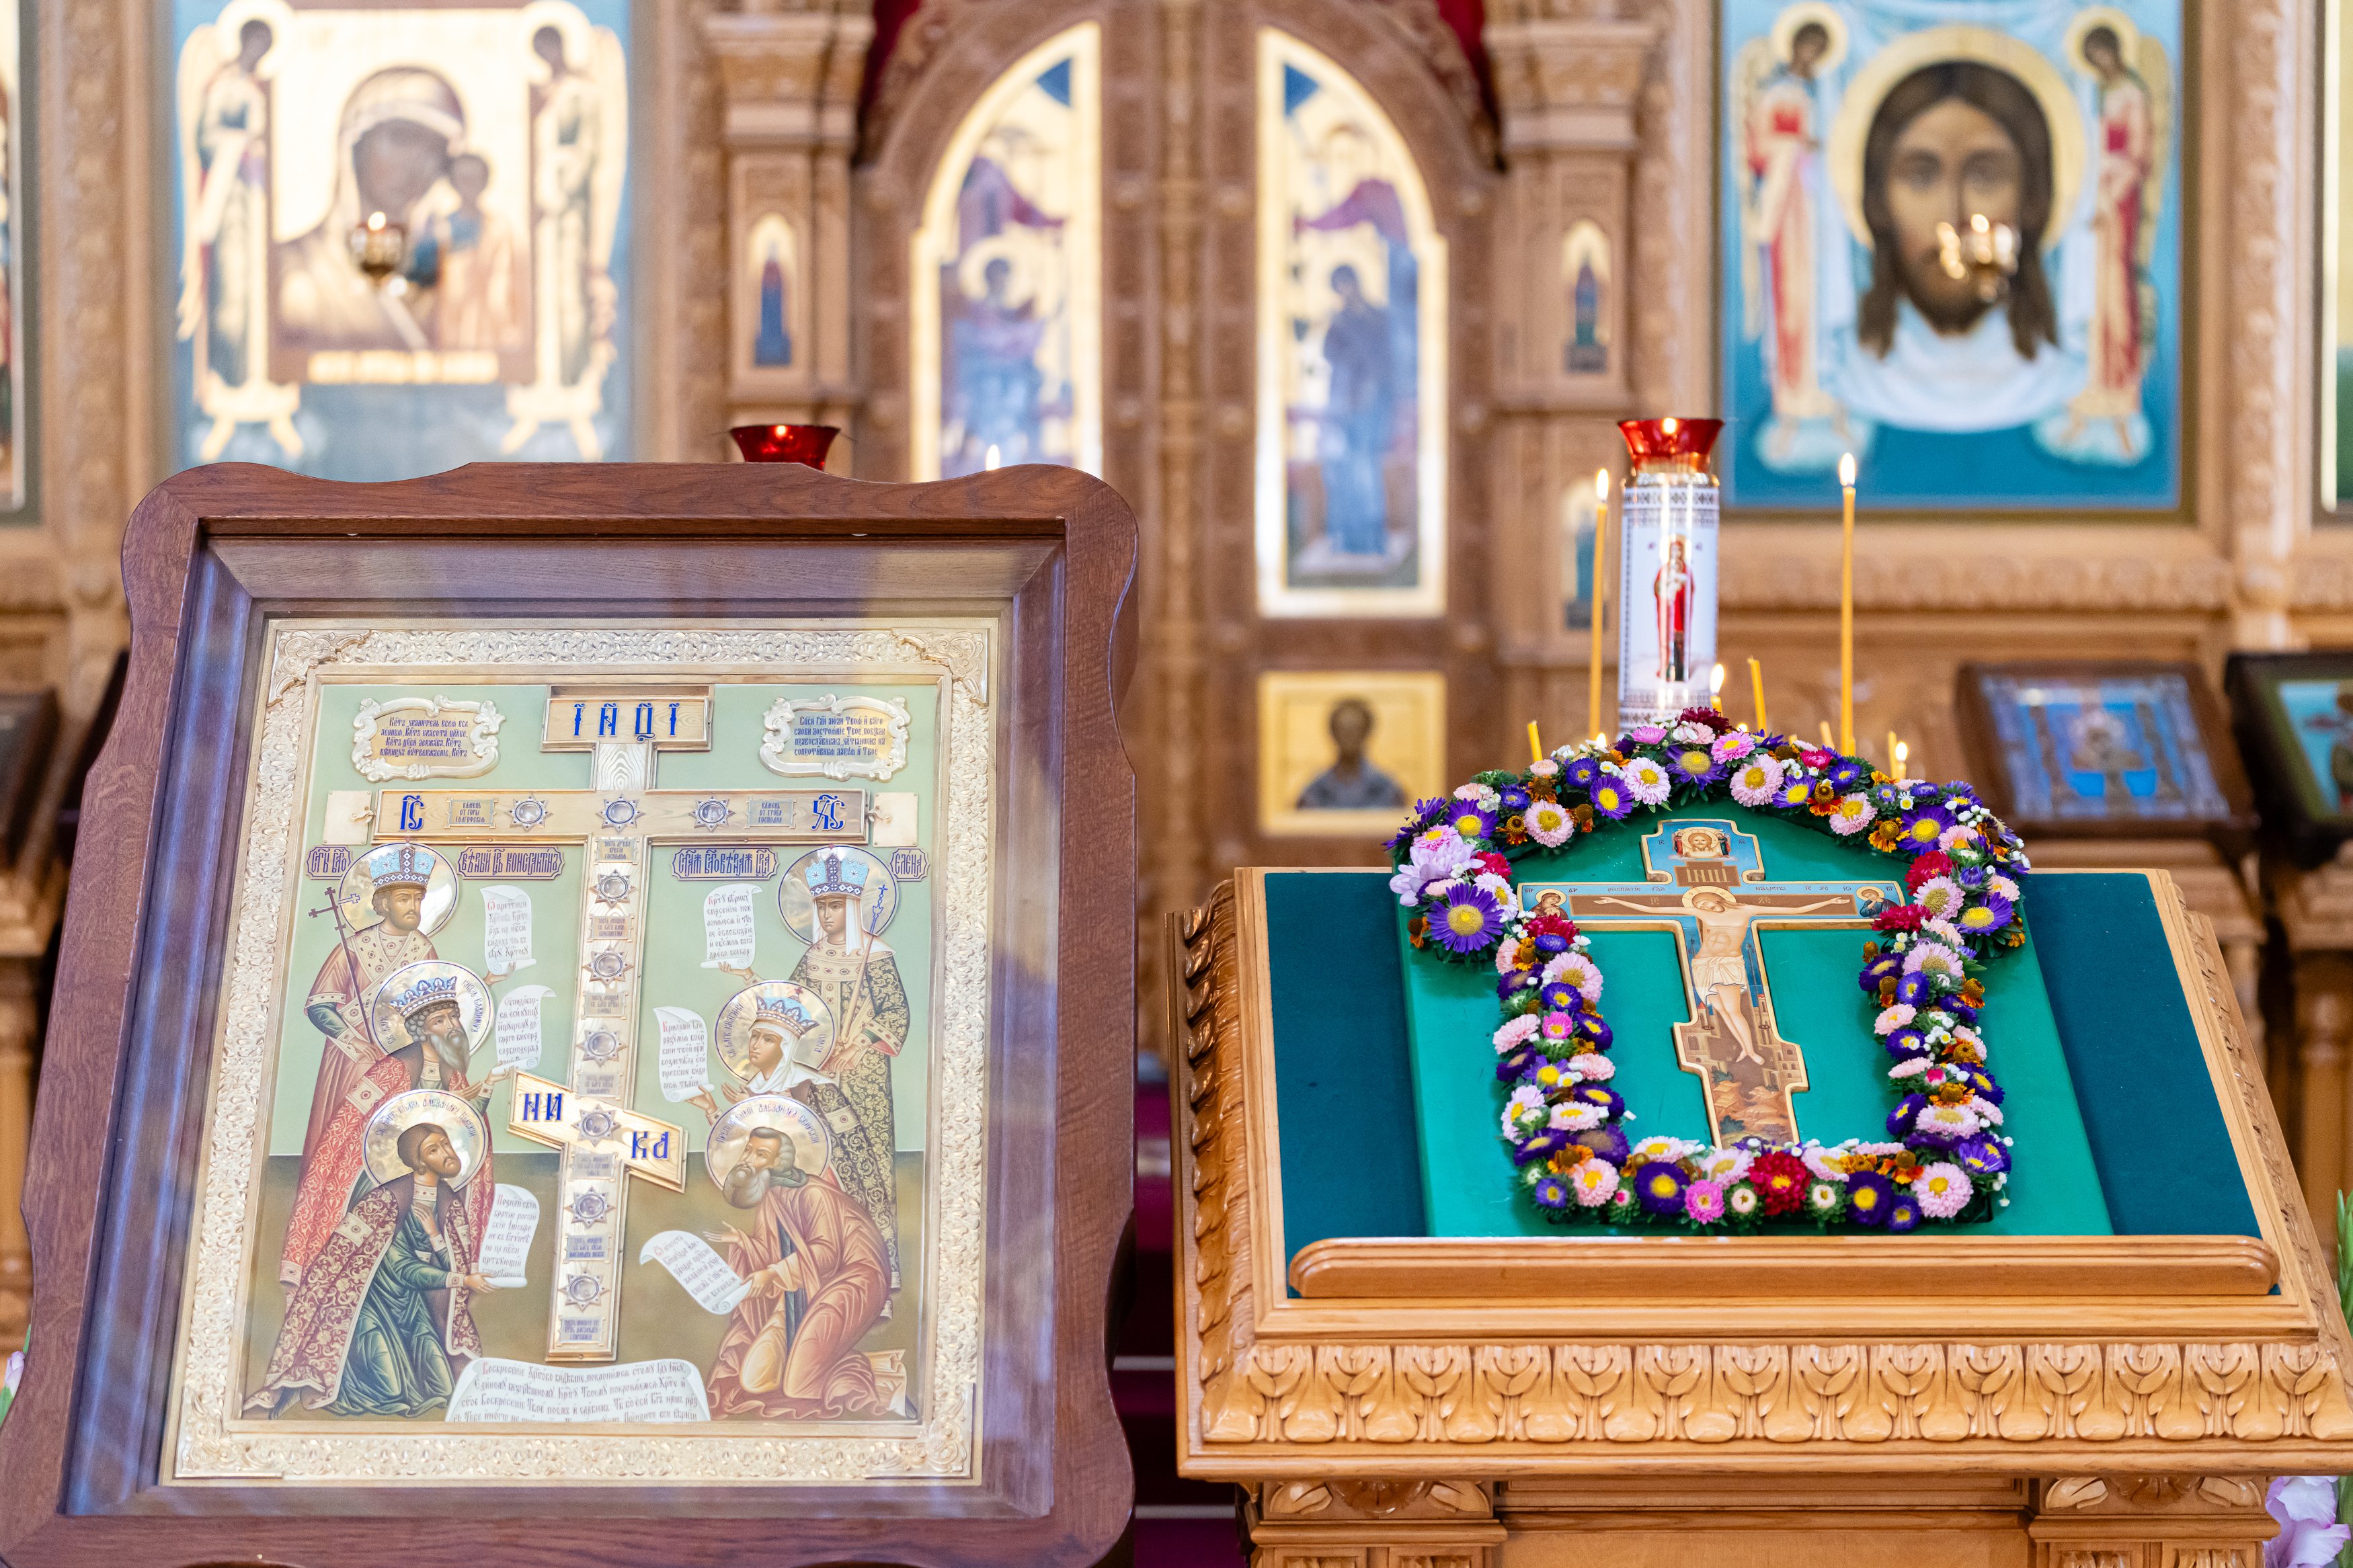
(1403, 1363)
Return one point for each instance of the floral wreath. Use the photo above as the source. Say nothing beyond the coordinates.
(1947, 1159)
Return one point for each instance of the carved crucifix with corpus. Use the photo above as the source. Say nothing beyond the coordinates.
(1715, 900)
(614, 822)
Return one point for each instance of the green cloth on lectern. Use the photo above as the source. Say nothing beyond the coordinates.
(1452, 1015)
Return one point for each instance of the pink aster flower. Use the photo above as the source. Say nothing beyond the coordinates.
(1893, 1018)
(1818, 1161)
(1593, 1182)
(1940, 896)
(1557, 1026)
(1549, 824)
(1733, 746)
(1756, 780)
(1573, 1116)
(1935, 960)
(1507, 955)
(1910, 1066)
(1646, 734)
(1592, 1066)
(1646, 781)
(1515, 1032)
(1579, 971)
(1544, 769)
(1703, 1201)
(1960, 835)
(1853, 814)
(1942, 1188)
(1726, 1166)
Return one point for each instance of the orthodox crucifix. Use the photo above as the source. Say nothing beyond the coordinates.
(1715, 900)
(615, 822)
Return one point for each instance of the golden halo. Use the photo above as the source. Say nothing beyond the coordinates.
(1785, 25)
(380, 1138)
(357, 892)
(1957, 41)
(741, 1011)
(812, 1144)
(2127, 30)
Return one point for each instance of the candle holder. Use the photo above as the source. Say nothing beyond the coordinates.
(379, 247)
(1667, 513)
(804, 443)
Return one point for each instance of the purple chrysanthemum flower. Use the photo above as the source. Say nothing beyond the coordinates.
(1903, 1213)
(1514, 798)
(1560, 997)
(1983, 1155)
(1581, 772)
(1906, 1116)
(1659, 1188)
(1551, 943)
(1980, 1080)
(1509, 985)
(1550, 1193)
(1470, 820)
(1922, 828)
(1470, 920)
(1979, 920)
(1911, 989)
(1608, 1099)
(1877, 970)
(1594, 1031)
(1846, 773)
(1543, 1146)
(1869, 1196)
(1906, 1042)
(1612, 798)
(1694, 764)
(1510, 1066)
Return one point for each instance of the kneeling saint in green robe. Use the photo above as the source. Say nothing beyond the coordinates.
(380, 1324)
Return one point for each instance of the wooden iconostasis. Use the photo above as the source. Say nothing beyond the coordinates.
(1344, 295)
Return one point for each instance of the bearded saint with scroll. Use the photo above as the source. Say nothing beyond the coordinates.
(819, 1283)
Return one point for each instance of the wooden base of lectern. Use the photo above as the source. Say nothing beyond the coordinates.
(1733, 1521)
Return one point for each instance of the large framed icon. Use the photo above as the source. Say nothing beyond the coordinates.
(2103, 749)
(537, 1073)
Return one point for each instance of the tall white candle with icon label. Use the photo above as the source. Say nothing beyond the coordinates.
(1667, 515)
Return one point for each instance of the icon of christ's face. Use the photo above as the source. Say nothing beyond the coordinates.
(1952, 164)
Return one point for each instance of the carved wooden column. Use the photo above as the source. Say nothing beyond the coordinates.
(19, 1026)
(1374, 1524)
(2151, 1521)
(789, 74)
(1568, 86)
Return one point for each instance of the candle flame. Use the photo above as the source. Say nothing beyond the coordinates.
(1601, 484)
(1715, 679)
(1846, 471)
(376, 220)
(992, 458)
(1667, 426)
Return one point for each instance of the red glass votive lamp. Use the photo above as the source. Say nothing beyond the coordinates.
(785, 443)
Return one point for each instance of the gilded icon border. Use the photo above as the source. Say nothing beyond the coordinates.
(207, 1441)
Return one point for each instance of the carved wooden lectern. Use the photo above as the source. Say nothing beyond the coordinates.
(1390, 1397)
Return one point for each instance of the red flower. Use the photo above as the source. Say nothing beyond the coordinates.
(1935, 863)
(1780, 1178)
(1711, 717)
(1555, 925)
(1491, 862)
(1899, 917)
(1815, 757)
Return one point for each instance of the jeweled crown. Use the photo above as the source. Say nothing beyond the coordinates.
(425, 993)
(784, 1012)
(835, 874)
(405, 866)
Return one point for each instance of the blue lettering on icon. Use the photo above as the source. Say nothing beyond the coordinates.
(539, 1107)
(827, 810)
(326, 861)
(645, 720)
(609, 720)
(673, 720)
(412, 813)
(648, 1146)
(910, 865)
(580, 713)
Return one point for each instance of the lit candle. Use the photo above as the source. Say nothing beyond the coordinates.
(1600, 598)
(1757, 691)
(1892, 744)
(1846, 608)
(1716, 689)
(1903, 755)
(1535, 747)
